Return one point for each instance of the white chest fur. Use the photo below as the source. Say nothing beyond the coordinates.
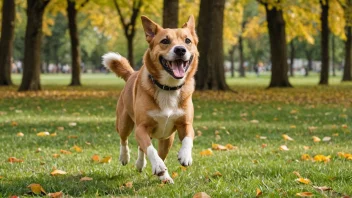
(165, 117)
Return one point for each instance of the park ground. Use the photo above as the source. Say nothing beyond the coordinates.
(80, 121)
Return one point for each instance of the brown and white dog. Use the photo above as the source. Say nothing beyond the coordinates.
(157, 99)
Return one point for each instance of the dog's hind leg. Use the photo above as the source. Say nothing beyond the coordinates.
(124, 126)
(165, 146)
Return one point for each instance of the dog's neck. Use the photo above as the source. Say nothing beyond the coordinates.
(164, 87)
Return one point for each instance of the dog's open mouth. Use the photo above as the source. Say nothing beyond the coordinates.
(176, 68)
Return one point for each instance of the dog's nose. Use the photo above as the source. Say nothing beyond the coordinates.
(180, 51)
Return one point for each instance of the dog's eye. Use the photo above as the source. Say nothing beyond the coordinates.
(165, 41)
(188, 41)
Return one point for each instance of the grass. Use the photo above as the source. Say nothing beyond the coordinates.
(92, 107)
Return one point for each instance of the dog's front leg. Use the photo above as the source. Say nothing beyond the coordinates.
(158, 165)
(186, 134)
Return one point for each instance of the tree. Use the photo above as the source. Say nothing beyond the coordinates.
(277, 36)
(292, 57)
(347, 71)
(6, 42)
(129, 26)
(211, 75)
(75, 48)
(33, 39)
(324, 73)
(170, 14)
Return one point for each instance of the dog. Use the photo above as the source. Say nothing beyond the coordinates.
(157, 99)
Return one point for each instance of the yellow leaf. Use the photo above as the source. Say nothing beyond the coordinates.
(297, 173)
(56, 195)
(254, 121)
(20, 134)
(72, 137)
(14, 160)
(77, 148)
(303, 180)
(129, 184)
(41, 134)
(306, 147)
(96, 158)
(58, 172)
(53, 134)
(14, 123)
(217, 174)
(56, 155)
(286, 137)
(207, 152)
(306, 157)
(174, 175)
(312, 128)
(86, 179)
(219, 147)
(284, 148)
(292, 126)
(183, 168)
(322, 158)
(304, 194)
(65, 152)
(60, 128)
(316, 139)
(335, 134)
(201, 195)
(231, 147)
(258, 192)
(293, 111)
(36, 188)
(1, 177)
(344, 126)
(106, 160)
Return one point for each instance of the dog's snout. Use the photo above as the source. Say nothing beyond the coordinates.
(180, 51)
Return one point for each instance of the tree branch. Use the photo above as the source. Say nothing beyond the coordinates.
(122, 19)
(83, 4)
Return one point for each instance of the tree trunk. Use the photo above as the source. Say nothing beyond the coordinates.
(130, 49)
(333, 55)
(75, 49)
(324, 73)
(310, 62)
(240, 48)
(211, 75)
(32, 46)
(6, 42)
(292, 58)
(170, 14)
(277, 34)
(347, 71)
(232, 61)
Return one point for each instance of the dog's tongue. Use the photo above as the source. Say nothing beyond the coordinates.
(178, 68)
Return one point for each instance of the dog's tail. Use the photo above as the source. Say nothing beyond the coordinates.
(118, 64)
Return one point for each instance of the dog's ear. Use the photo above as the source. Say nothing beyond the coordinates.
(190, 24)
(150, 28)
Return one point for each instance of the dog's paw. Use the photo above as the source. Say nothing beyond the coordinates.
(158, 167)
(124, 154)
(166, 178)
(185, 156)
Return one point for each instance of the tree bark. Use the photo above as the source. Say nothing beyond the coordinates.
(333, 55)
(309, 55)
(33, 42)
(278, 48)
(211, 75)
(347, 71)
(170, 14)
(232, 61)
(241, 56)
(6, 42)
(292, 58)
(324, 73)
(75, 49)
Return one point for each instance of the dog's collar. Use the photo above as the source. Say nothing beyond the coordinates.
(164, 87)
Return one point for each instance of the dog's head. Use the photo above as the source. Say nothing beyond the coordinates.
(172, 56)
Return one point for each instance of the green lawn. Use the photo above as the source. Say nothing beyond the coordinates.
(232, 116)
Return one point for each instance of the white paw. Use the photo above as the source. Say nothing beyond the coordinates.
(185, 156)
(141, 162)
(166, 178)
(158, 165)
(124, 154)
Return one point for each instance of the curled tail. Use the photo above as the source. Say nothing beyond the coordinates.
(118, 64)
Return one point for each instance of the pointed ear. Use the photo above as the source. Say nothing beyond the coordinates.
(150, 28)
(190, 24)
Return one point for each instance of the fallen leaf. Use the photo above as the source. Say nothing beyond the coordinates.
(293, 111)
(14, 123)
(207, 152)
(254, 121)
(258, 192)
(174, 175)
(88, 143)
(65, 152)
(322, 158)
(60, 128)
(326, 139)
(58, 172)
(322, 188)
(217, 174)
(231, 147)
(36, 188)
(217, 137)
(56, 195)
(293, 126)
(86, 179)
(44, 133)
(286, 137)
(306, 147)
(335, 134)
(219, 147)
(316, 139)
(72, 137)
(56, 155)
(96, 158)
(345, 155)
(262, 137)
(1, 177)
(304, 194)
(297, 173)
(53, 134)
(201, 195)
(284, 148)
(306, 157)
(199, 133)
(264, 145)
(129, 184)
(312, 128)
(77, 148)
(38, 150)
(14, 160)
(303, 180)
(72, 124)
(183, 168)
(20, 134)
(344, 126)
(106, 160)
